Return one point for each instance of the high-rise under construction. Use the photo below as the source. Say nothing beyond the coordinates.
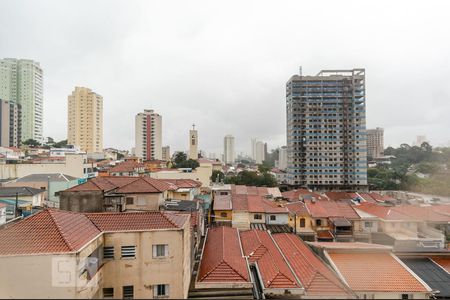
(326, 130)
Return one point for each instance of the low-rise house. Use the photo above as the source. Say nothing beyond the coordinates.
(127, 168)
(222, 210)
(116, 193)
(372, 271)
(187, 189)
(398, 227)
(12, 153)
(51, 183)
(58, 254)
(300, 220)
(33, 196)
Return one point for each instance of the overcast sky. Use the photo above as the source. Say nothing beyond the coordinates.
(223, 65)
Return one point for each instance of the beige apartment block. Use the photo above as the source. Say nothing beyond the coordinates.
(375, 142)
(115, 255)
(85, 120)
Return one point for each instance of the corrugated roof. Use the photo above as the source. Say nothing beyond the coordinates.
(54, 177)
(222, 202)
(314, 275)
(11, 191)
(433, 275)
(222, 260)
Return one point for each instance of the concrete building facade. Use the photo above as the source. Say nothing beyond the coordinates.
(326, 130)
(165, 153)
(259, 152)
(10, 127)
(148, 135)
(375, 142)
(282, 158)
(85, 120)
(228, 149)
(21, 82)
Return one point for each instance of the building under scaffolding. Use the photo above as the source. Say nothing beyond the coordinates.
(326, 130)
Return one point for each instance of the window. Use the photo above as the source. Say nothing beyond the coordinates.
(223, 214)
(223, 193)
(108, 252)
(273, 218)
(128, 292)
(405, 296)
(128, 251)
(161, 250)
(129, 200)
(161, 290)
(318, 222)
(108, 293)
(368, 224)
(257, 217)
(302, 222)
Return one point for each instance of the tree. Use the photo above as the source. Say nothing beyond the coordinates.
(190, 163)
(217, 176)
(252, 179)
(179, 158)
(60, 144)
(31, 143)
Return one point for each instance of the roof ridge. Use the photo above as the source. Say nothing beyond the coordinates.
(166, 216)
(59, 229)
(121, 186)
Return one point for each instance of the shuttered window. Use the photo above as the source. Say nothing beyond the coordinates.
(128, 251)
(108, 293)
(128, 292)
(108, 252)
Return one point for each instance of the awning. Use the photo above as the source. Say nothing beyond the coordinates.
(340, 222)
(325, 234)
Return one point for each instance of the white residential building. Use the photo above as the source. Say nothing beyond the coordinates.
(228, 149)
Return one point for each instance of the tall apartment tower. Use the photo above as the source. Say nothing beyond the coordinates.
(21, 82)
(282, 158)
(259, 152)
(326, 130)
(375, 142)
(148, 135)
(228, 149)
(9, 124)
(85, 115)
(165, 155)
(193, 143)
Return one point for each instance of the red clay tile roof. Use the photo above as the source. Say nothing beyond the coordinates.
(338, 196)
(326, 209)
(377, 272)
(298, 208)
(313, 273)
(184, 183)
(48, 231)
(132, 221)
(144, 185)
(222, 259)
(124, 184)
(257, 203)
(222, 202)
(126, 166)
(381, 198)
(384, 212)
(240, 202)
(367, 197)
(260, 248)
(296, 195)
(425, 213)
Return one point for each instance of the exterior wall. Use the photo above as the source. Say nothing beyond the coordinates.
(281, 219)
(381, 295)
(202, 174)
(144, 272)
(193, 144)
(241, 220)
(36, 276)
(145, 201)
(73, 166)
(251, 216)
(81, 201)
(375, 142)
(2, 215)
(85, 120)
(10, 132)
(219, 218)
(307, 229)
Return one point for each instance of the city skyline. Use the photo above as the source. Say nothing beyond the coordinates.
(247, 83)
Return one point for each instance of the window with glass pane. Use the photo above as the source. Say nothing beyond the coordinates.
(161, 250)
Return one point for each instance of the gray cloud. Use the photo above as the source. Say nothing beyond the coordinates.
(223, 65)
